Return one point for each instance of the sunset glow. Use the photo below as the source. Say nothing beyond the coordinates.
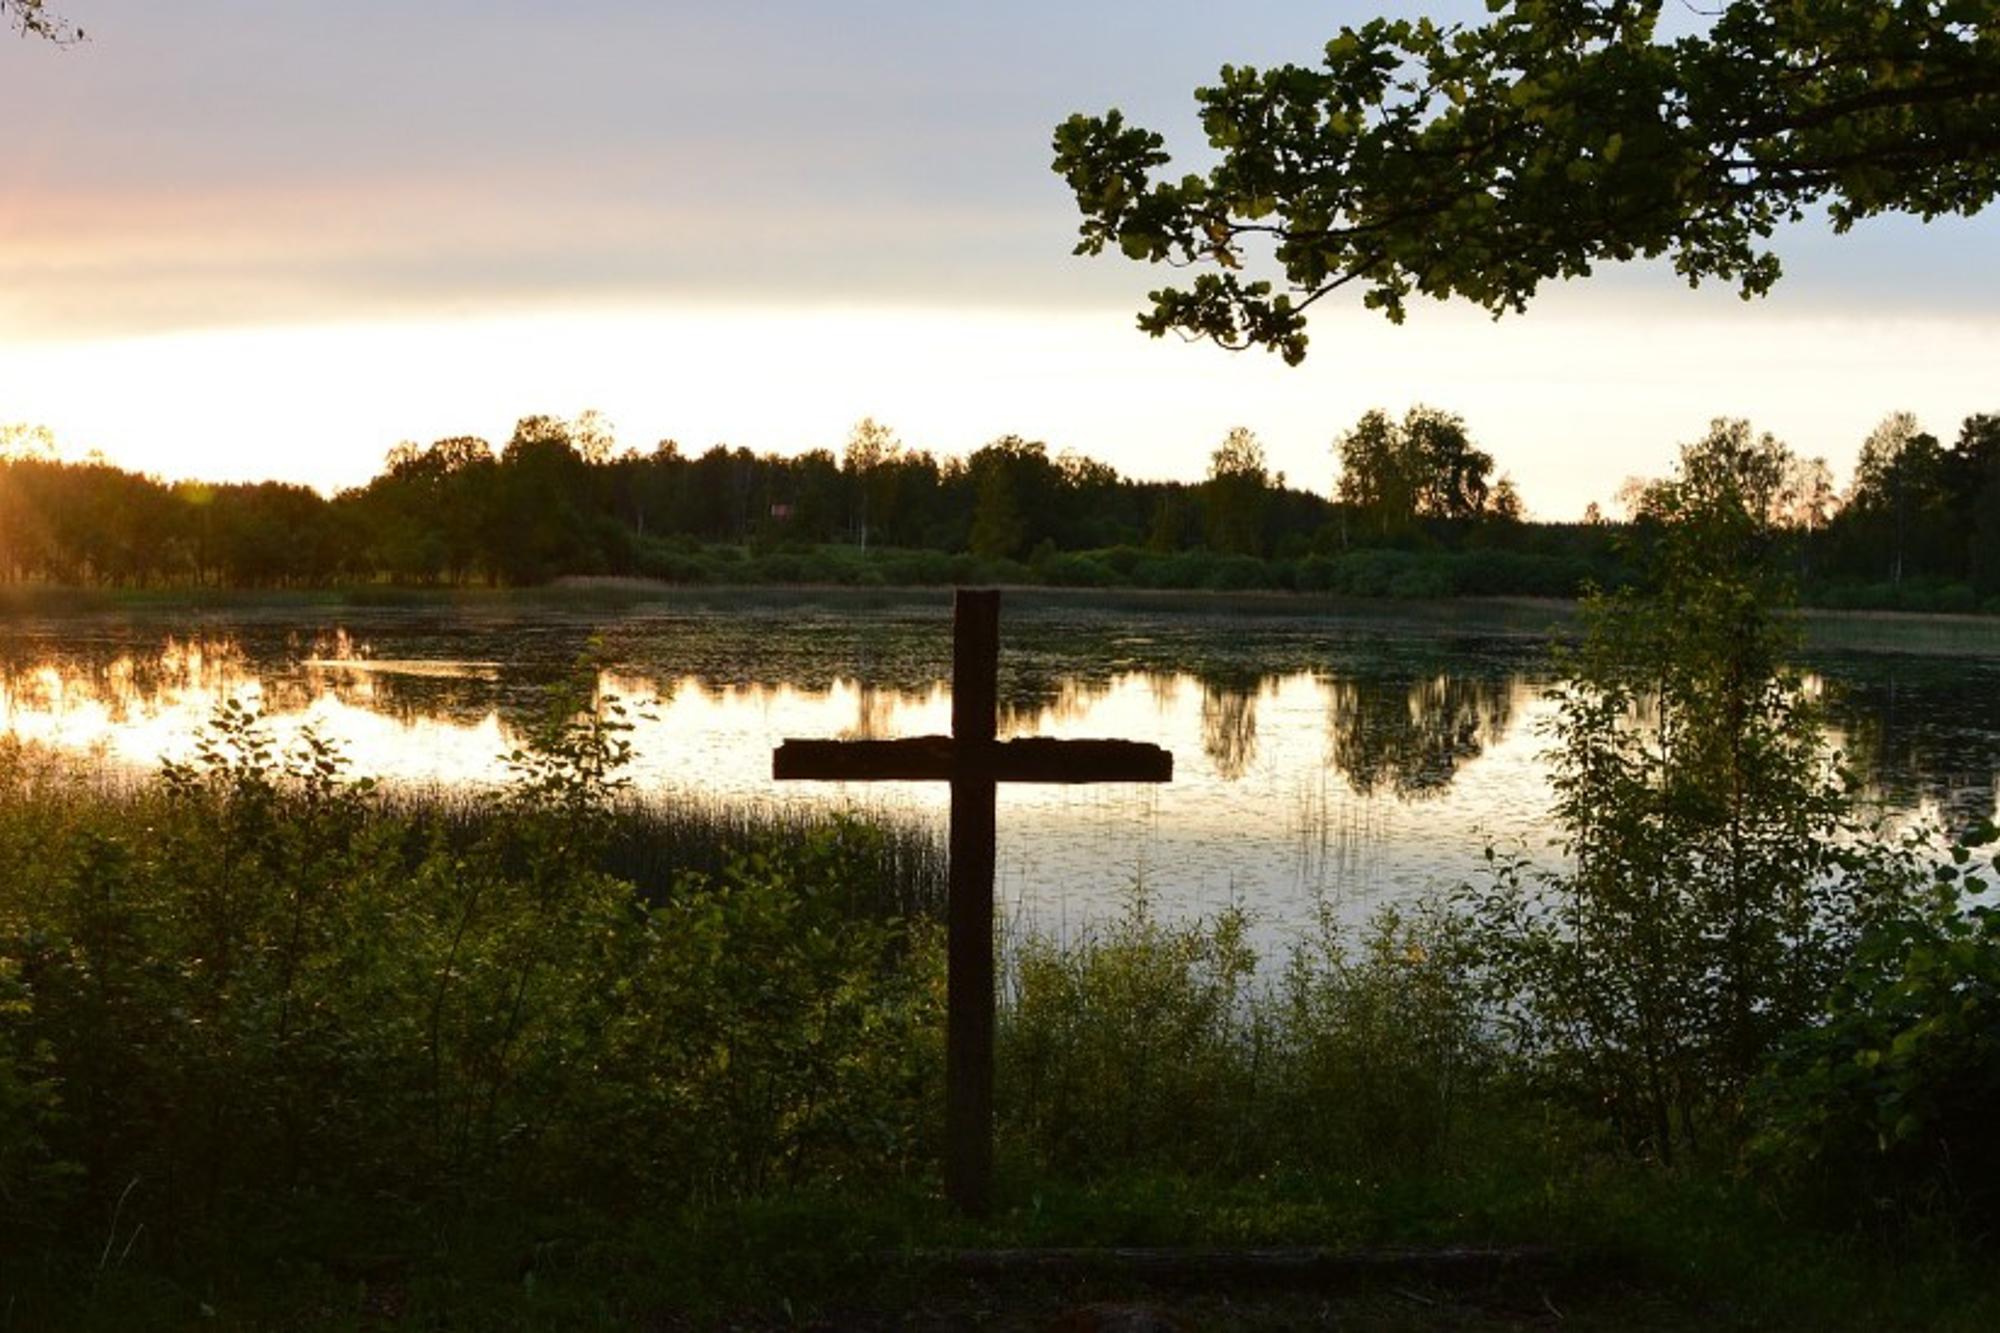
(242, 246)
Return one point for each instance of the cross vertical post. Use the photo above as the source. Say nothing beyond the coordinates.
(975, 699)
(973, 760)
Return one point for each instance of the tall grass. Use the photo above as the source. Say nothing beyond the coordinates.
(651, 842)
(258, 1018)
(253, 990)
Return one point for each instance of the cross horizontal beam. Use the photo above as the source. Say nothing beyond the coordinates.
(940, 758)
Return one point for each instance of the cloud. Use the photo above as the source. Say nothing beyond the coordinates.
(219, 163)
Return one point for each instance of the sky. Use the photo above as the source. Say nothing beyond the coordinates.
(243, 240)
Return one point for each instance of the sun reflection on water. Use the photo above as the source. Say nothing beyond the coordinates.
(1310, 763)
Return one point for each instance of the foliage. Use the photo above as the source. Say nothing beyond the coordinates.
(1416, 512)
(32, 18)
(1110, 1042)
(1235, 494)
(1714, 887)
(502, 1099)
(1481, 161)
(1389, 1028)
(254, 982)
(1918, 508)
(1887, 1099)
(1425, 467)
(1148, 1046)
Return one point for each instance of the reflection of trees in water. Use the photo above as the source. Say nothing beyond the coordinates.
(408, 697)
(1927, 738)
(127, 684)
(194, 674)
(874, 710)
(1229, 722)
(1033, 705)
(1411, 737)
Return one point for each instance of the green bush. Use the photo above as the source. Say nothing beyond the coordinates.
(1236, 573)
(1130, 1045)
(254, 981)
(1390, 1030)
(29, 1104)
(1146, 1046)
(1889, 1098)
(1716, 879)
(658, 560)
(780, 567)
(1075, 571)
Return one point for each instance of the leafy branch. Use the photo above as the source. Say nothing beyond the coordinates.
(1478, 162)
(31, 18)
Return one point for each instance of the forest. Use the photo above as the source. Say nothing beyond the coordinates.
(1415, 510)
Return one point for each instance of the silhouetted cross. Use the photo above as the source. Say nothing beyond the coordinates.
(972, 761)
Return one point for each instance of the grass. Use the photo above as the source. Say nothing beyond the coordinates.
(651, 842)
(1643, 1251)
(277, 1051)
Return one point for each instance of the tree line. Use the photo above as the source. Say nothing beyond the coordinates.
(561, 498)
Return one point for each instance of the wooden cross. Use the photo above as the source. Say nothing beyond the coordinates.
(972, 761)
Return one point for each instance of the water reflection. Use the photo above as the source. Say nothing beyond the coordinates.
(874, 712)
(1229, 723)
(1403, 727)
(1313, 759)
(1924, 733)
(1411, 737)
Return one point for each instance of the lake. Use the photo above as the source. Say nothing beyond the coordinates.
(1320, 758)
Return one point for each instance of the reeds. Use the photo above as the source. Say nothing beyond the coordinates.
(652, 841)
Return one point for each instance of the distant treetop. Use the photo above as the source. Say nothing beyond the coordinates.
(1479, 162)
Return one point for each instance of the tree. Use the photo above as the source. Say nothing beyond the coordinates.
(1806, 499)
(1895, 507)
(872, 450)
(1424, 467)
(1238, 480)
(1376, 480)
(1450, 473)
(1713, 890)
(1975, 466)
(1479, 162)
(20, 440)
(998, 528)
(593, 436)
(1016, 489)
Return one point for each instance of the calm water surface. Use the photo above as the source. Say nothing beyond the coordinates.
(1317, 759)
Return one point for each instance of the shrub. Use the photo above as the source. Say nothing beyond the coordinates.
(1075, 571)
(1380, 1048)
(1147, 1046)
(29, 1104)
(780, 567)
(1715, 882)
(1235, 573)
(1129, 1045)
(1888, 1099)
(255, 981)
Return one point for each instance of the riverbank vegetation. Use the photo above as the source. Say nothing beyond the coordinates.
(1416, 511)
(280, 1048)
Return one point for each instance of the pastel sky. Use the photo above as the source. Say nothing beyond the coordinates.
(240, 239)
